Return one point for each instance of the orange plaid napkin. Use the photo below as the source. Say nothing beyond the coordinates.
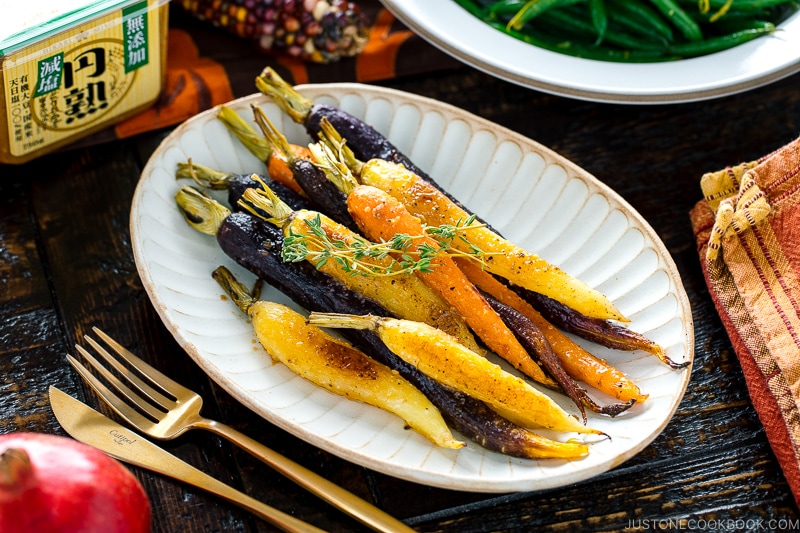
(748, 237)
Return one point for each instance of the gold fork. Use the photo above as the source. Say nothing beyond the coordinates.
(180, 411)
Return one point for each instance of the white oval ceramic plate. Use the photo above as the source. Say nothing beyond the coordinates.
(452, 29)
(530, 193)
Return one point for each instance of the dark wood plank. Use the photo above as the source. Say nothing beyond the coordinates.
(66, 265)
(30, 334)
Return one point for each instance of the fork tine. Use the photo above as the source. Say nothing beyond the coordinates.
(116, 383)
(113, 401)
(151, 374)
(142, 386)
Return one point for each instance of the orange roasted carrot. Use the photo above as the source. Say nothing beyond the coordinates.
(283, 155)
(578, 363)
(276, 161)
(380, 217)
(278, 167)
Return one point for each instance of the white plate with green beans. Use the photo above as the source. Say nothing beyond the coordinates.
(620, 51)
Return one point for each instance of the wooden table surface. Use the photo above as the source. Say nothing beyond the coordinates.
(66, 265)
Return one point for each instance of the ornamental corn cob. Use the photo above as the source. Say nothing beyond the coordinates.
(319, 31)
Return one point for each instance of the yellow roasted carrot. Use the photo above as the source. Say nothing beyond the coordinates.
(503, 258)
(335, 365)
(442, 358)
(404, 296)
(380, 217)
(579, 363)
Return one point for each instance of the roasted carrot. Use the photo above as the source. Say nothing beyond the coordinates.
(308, 175)
(334, 365)
(257, 246)
(275, 162)
(402, 295)
(579, 363)
(603, 332)
(442, 358)
(380, 217)
(365, 140)
(503, 257)
(533, 339)
(236, 184)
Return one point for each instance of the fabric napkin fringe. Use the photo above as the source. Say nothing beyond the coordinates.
(747, 229)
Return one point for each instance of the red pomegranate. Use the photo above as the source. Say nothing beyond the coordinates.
(59, 485)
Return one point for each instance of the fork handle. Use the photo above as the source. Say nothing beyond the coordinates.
(335, 495)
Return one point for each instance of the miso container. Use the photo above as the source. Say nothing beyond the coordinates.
(72, 67)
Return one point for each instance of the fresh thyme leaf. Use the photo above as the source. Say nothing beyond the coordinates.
(340, 244)
(294, 248)
(359, 257)
(426, 250)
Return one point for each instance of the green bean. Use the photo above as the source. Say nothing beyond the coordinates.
(688, 27)
(531, 10)
(504, 7)
(741, 5)
(732, 24)
(504, 10)
(549, 42)
(568, 18)
(471, 8)
(650, 18)
(633, 30)
(717, 44)
(633, 25)
(768, 13)
(597, 8)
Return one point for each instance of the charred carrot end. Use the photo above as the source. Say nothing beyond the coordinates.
(381, 217)
(501, 435)
(603, 332)
(577, 362)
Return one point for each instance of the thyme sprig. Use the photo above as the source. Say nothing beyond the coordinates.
(361, 257)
